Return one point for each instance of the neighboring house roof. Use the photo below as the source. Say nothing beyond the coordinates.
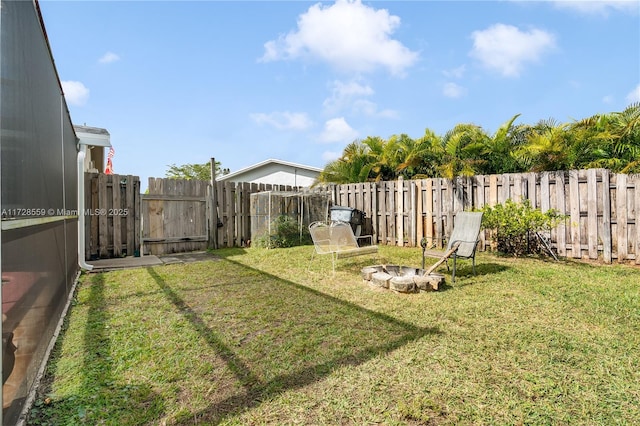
(269, 169)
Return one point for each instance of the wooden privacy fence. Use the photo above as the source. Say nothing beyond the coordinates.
(603, 211)
(177, 214)
(174, 216)
(234, 211)
(603, 208)
(112, 215)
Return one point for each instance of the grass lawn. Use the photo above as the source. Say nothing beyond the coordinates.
(254, 338)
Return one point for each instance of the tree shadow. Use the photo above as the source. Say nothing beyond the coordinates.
(102, 394)
(276, 335)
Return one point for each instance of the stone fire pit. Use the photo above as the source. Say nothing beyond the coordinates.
(402, 279)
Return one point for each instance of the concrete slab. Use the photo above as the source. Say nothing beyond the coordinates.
(104, 265)
(195, 256)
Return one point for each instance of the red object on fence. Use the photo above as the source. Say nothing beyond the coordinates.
(109, 169)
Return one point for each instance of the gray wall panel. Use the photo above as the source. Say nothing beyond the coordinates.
(38, 171)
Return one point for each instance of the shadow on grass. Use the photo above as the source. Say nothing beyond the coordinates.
(101, 395)
(481, 269)
(276, 335)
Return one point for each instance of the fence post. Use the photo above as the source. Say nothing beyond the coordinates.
(213, 213)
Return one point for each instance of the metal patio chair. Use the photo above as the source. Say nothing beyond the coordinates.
(462, 242)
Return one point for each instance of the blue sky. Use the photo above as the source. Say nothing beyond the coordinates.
(181, 82)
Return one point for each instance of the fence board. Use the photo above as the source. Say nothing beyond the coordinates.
(559, 186)
(130, 191)
(636, 217)
(607, 243)
(479, 182)
(592, 213)
(429, 211)
(116, 219)
(374, 209)
(574, 211)
(419, 215)
(531, 190)
(493, 190)
(621, 216)
(112, 215)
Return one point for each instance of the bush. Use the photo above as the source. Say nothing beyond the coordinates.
(285, 232)
(514, 226)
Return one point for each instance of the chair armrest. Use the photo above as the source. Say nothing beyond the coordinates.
(475, 245)
(370, 237)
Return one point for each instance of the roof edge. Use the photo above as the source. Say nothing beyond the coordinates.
(264, 163)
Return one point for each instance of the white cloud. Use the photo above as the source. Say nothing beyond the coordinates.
(634, 95)
(368, 108)
(75, 93)
(607, 99)
(595, 7)
(108, 58)
(284, 120)
(453, 90)
(455, 72)
(351, 95)
(506, 49)
(343, 94)
(330, 155)
(348, 35)
(338, 130)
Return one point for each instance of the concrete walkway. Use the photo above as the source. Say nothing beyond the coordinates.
(104, 265)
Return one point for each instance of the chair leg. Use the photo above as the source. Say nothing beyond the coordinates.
(311, 261)
(334, 258)
(453, 274)
(473, 259)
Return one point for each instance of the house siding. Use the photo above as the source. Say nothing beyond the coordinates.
(277, 174)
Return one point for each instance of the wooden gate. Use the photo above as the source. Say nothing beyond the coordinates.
(112, 215)
(174, 216)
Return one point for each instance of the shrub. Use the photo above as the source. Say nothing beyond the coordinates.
(515, 226)
(285, 232)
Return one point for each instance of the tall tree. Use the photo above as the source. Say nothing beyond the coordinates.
(194, 171)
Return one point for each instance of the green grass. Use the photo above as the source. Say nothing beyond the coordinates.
(255, 338)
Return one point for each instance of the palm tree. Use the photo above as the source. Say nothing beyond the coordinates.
(353, 166)
(415, 156)
(546, 147)
(381, 155)
(613, 139)
(499, 150)
(460, 151)
(625, 143)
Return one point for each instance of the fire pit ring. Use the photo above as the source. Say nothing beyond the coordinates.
(401, 279)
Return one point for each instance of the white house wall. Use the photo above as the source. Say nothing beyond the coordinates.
(278, 174)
